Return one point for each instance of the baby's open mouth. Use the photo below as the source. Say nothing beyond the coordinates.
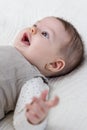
(25, 39)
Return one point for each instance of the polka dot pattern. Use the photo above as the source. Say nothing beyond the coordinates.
(31, 88)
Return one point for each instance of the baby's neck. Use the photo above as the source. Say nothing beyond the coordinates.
(45, 72)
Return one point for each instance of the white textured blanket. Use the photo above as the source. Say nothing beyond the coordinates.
(71, 113)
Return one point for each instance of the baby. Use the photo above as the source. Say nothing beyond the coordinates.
(55, 41)
(50, 48)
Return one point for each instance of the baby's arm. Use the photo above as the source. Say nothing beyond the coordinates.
(32, 88)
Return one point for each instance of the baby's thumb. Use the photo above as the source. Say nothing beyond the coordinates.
(53, 102)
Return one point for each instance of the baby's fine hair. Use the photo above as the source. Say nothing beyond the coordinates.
(73, 51)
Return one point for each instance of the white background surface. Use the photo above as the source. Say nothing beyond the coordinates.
(16, 14)
(71, 113)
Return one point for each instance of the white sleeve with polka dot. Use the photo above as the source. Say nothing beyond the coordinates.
(31, 88)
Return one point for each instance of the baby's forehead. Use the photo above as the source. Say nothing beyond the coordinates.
(51, 22)
(47, 20)
(57, 26)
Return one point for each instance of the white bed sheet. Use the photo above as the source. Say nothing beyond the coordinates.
(71, 113)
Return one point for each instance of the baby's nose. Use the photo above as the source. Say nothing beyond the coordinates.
(33, 30)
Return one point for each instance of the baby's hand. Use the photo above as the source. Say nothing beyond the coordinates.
(37, 111)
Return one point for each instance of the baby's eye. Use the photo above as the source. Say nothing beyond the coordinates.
(34, 25)
(45, 34)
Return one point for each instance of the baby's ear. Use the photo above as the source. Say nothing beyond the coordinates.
(56, 66)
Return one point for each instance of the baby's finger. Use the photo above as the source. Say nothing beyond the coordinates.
(37, 110)
(53, 102)
(42, 105)
(44, 95)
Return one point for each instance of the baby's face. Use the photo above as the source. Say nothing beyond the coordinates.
(41, 43)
